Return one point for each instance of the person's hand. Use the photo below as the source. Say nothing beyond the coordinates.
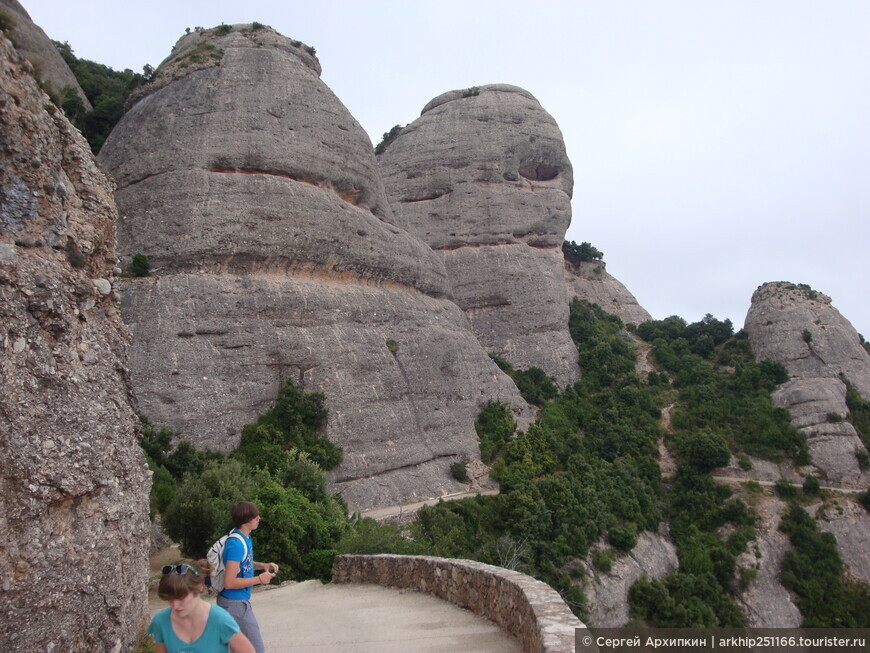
(271, 567)
(266, 577)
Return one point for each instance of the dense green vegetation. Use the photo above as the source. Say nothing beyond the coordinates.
(279, 466)
(534, 385)
(582, 479)
(583, 252)
(106, 89)
(814, 571)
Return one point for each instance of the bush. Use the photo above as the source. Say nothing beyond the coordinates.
(494, 426)
(139, 266)
(583, 252)
(223, 29)
(811, 486)
(785, 489)
(459, 471)
(388, 138)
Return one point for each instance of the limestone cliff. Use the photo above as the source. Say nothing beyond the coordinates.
(73, 481)
(483, 178)
(799, 328)
(256, 197)
(48, 65)
(590, 280)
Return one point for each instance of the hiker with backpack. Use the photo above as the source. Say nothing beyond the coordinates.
(190, 624)
(238, 577)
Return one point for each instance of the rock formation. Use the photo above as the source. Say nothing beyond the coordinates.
(765, 602)
(590, 280)
(257, 199)
(73, 481)
(482, 177)
(798, 327)
(49, 68)
(654, 556)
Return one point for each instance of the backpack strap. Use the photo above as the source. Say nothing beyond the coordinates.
(234, 534)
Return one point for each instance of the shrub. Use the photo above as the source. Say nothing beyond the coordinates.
(494, 427)
(811, 486)
(393, 346)
(785, 489)
(223, 29)
(602, 559)
(807, 336)
(388, 138)
(864, 499)
(139, 266)
(584, 252)
(459, 471)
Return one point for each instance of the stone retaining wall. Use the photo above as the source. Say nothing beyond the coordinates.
(528, 609)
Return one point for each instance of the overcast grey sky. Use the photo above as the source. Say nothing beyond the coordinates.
(716, 144)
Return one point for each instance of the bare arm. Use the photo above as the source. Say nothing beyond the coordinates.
(241, 644)
(159, 647)
(232, 582)
(271, 567)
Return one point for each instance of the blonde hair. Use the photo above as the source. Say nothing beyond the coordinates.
(175, 586)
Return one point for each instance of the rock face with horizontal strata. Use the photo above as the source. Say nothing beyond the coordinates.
(798, 327)
(483, 178)
(73, 480)
(256, 197)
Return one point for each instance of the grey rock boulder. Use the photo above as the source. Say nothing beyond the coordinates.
(73, 480)
(654, 556)
(482, 177)
(798, 327)
(590, 281)
(256, 197)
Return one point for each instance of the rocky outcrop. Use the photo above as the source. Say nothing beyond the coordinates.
(48, 65)
(589, 280)
(798, 327)
(606, 592)
(765, 602)
(73, 480)
(482, 177)
(256, 197)
(850, 524)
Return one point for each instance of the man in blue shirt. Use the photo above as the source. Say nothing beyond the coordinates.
(239, 577)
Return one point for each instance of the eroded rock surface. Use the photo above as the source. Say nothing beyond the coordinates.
(73, 481)
(799, 328)
(483, 178)
(654, 556)
(33, 43)
(765, 602)
(256, 197)
(590, 280)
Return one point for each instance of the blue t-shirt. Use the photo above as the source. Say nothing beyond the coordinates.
(219, 629)
(234, 550)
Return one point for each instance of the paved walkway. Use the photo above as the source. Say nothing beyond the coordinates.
(311, 617)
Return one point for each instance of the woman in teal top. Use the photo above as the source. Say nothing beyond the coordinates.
(189, 624)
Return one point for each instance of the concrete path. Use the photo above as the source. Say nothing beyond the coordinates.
(311, 617)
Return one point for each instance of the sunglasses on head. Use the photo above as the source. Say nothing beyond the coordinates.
(179, 569)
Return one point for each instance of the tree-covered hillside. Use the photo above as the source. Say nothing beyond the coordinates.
(583, 479)
(106, 89)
